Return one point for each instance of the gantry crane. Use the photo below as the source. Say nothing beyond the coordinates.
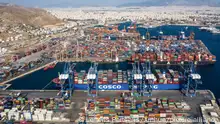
(160, 36)
(136, 79)
(148, 35)
(142, 48)
(92, 80)
(67, 76)
(182, 35)
(148, 79)
(193, 79)
(99, 37)
(192, 36)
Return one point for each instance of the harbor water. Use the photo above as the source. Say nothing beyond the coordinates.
(210, 73)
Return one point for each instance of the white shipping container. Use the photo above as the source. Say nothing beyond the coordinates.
(186, 107)
(6, 110)
(14, 109)
(117, 106)
(37, 109)
(163, 115)
(135, 115)
(168, 111)
(3, 114)
(208, 104)
(35, 117)
(44, 110)
(49, 112)
(179, 107)
(66, 119)
(165, 104)
(184, 103)
(207, 107)
(41, 117)
(141, 115)
(48, 115)
(153, 99)
(55, 118)
(48, 118)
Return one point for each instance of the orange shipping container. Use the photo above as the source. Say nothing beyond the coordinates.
(106, 111)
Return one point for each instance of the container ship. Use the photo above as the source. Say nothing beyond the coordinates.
(121, 80)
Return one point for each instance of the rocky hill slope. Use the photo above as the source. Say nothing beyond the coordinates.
(12, 14)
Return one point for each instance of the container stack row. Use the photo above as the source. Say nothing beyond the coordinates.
(171, 57)
(123, 77)
(100, 51)
(120, 109)
(80, 78)
(44, 115)
(21, 108)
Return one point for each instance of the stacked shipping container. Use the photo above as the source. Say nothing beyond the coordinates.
(122, 77)
(22, 108)
(125, 109)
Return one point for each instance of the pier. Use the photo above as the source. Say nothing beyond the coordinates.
(27, 73)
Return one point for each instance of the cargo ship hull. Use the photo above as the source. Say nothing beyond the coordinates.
(126, 87)
(120, 80)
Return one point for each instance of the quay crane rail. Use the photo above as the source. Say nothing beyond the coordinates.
(92, 80)
(136, 79)
(148, 79)
(193, 80)
(66, 90)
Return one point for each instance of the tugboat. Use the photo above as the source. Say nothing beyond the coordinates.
(52, 65)
(57, 82)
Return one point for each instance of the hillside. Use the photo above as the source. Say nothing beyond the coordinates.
(12, 14)
(174, 2)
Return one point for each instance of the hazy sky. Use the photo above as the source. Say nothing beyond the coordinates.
(74, 3)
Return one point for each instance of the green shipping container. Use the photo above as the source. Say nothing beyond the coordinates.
(111, 110)
(164, 98)
(149, 109)
(134, 111)
(161, 81)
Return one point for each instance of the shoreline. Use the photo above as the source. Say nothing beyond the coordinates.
(78, 61)
(27, 73)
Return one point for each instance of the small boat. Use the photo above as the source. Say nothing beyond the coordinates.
(46, 68)
(2, 74)
(51, 66)
(56, 80)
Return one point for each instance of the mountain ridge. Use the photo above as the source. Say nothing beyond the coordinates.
(14, 14)
(214, 3)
